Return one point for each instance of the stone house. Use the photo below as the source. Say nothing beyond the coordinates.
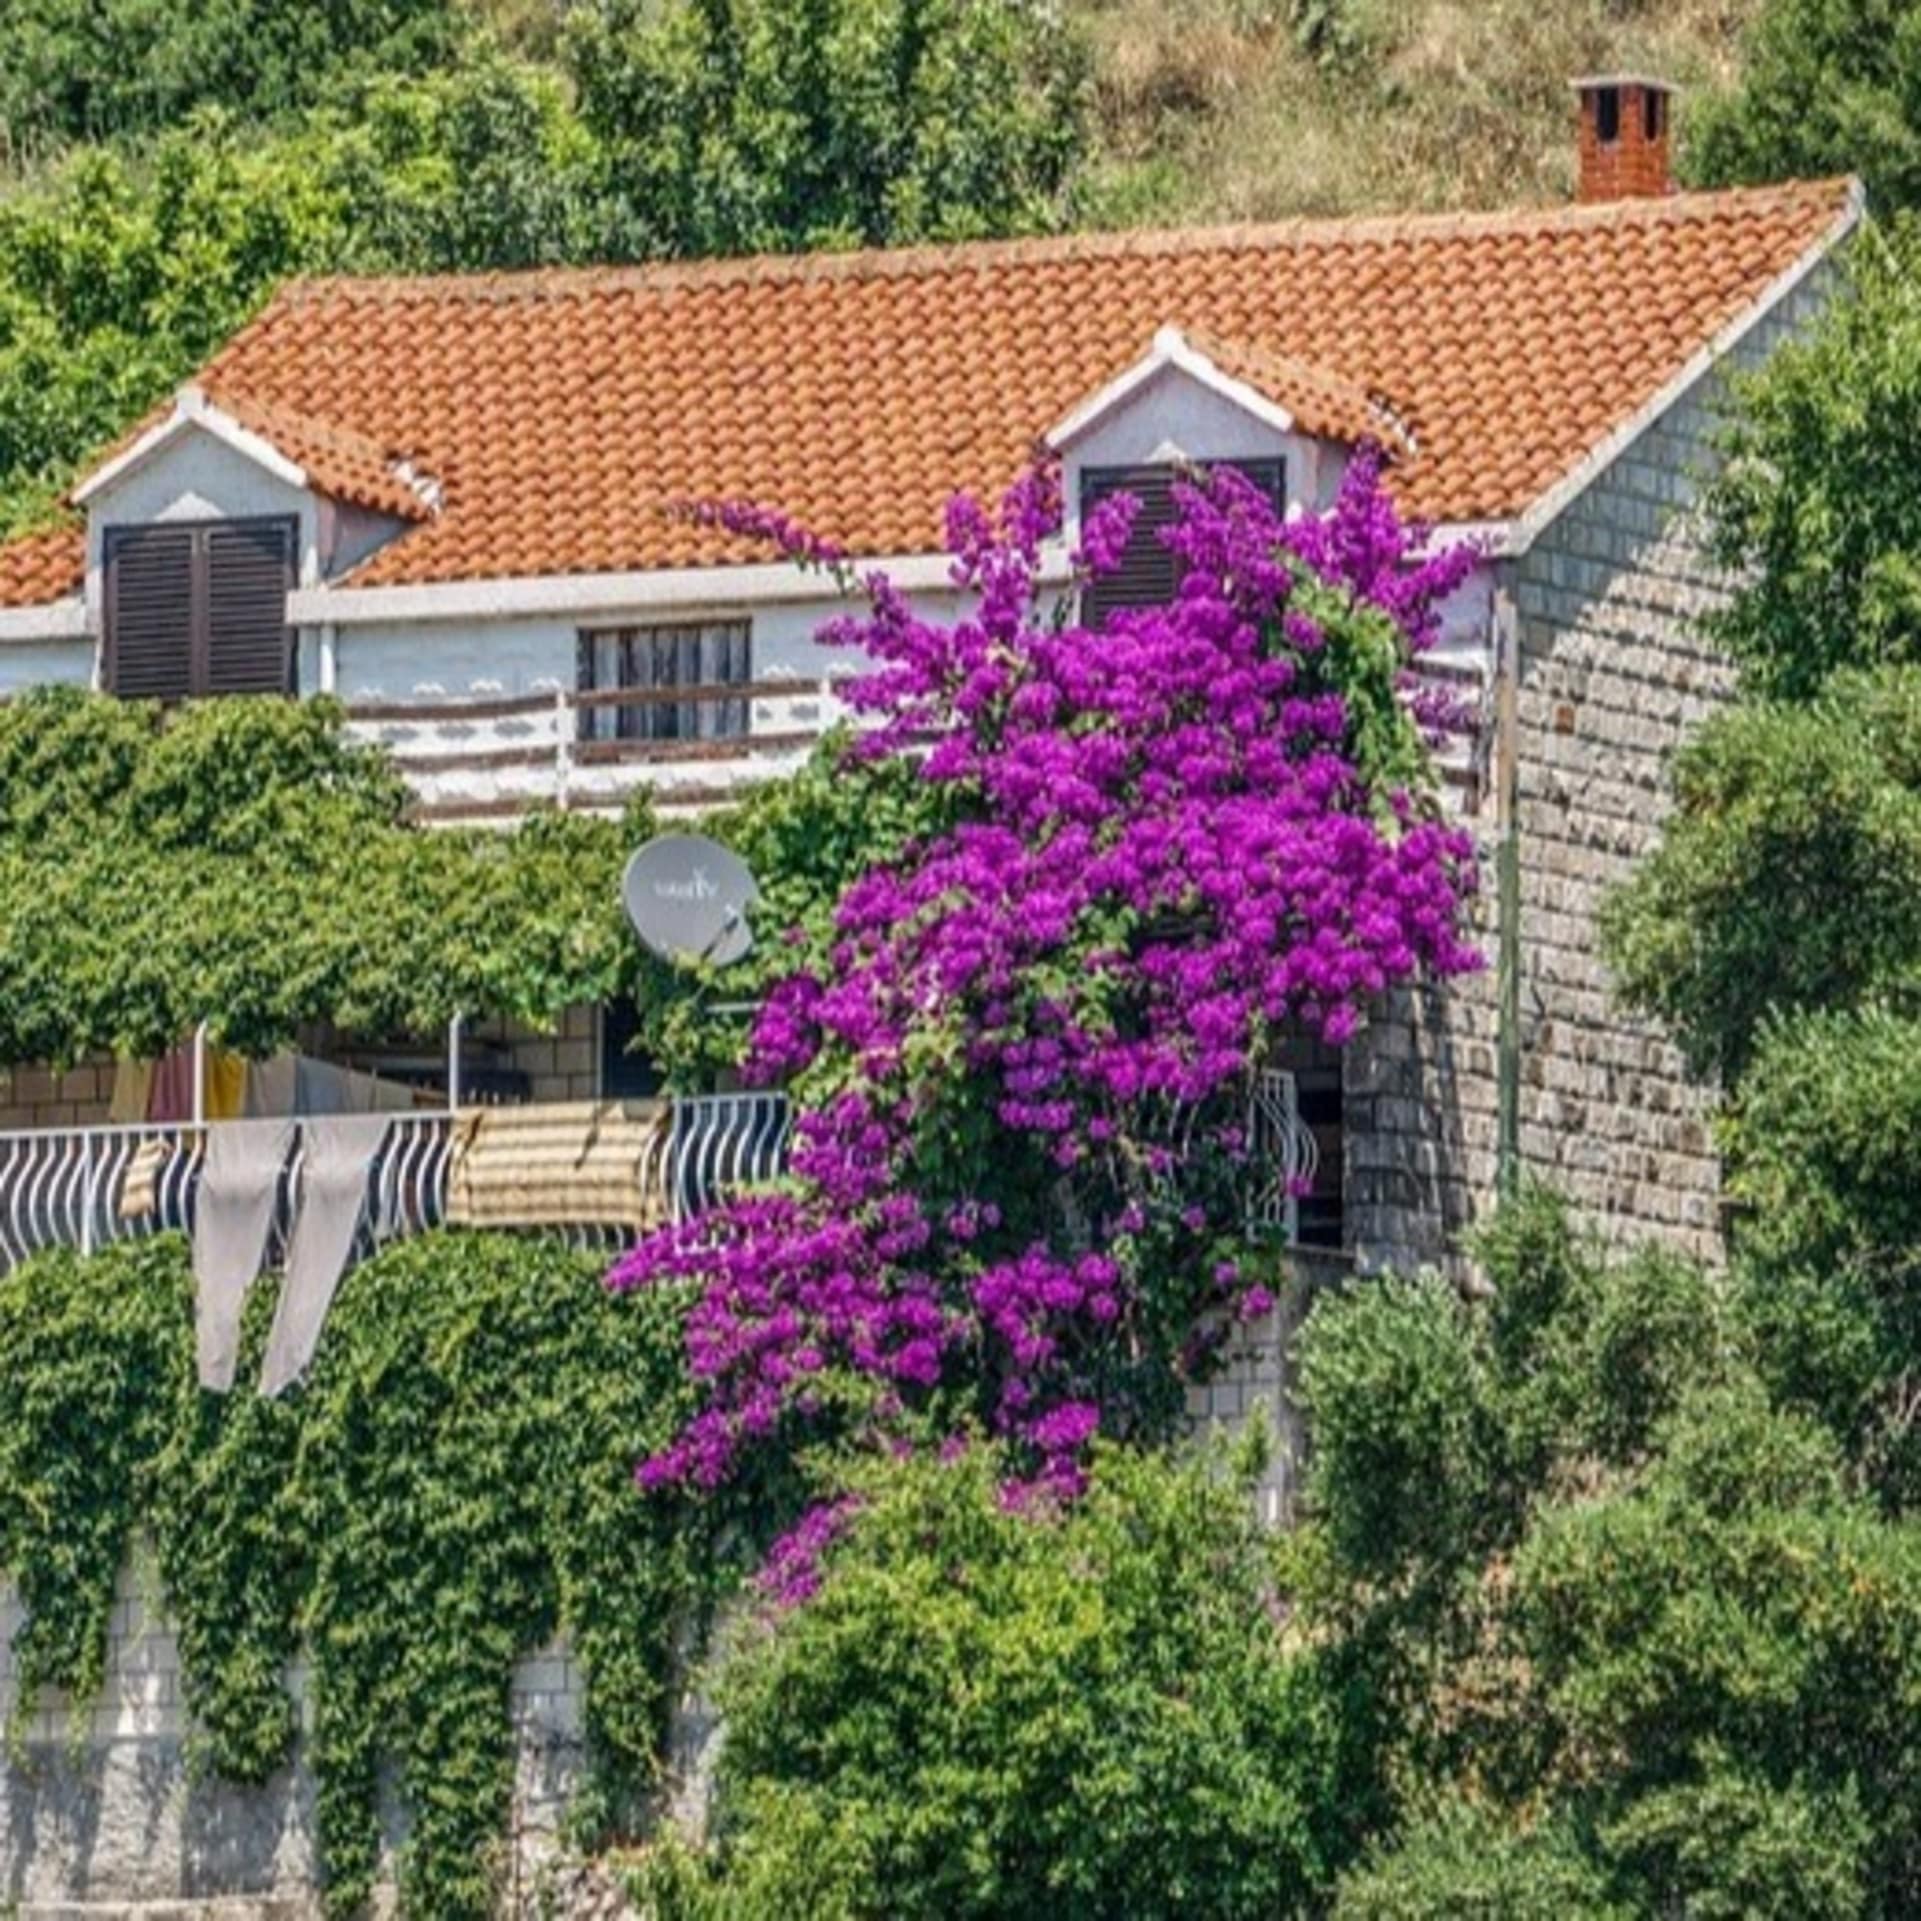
(455, 506)
(459, 505)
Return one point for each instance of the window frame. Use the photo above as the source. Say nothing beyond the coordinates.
(667, 722)
(199, 614)
(1098, 482)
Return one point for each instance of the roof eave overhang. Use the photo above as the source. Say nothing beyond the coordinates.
(529, 596)
(192, 412)
(1529, 526)
(1172, 350)
(64, 619)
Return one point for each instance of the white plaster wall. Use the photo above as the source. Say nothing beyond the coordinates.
(44, 663)
(1174, 415)
(195, 477)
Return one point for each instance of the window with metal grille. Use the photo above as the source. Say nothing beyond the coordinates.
(1149, 573)
(679, 677)
(199, 608)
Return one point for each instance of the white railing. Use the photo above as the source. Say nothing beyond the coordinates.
(84, 1187)
(494, 757)
(1278, 1158)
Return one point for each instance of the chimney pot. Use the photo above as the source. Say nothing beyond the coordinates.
(1626, 120)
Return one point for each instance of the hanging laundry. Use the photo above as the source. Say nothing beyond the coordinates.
(140, 1189)
(171, 1099)
(233, 1215)
(132, 1093)
(559, 1166)
(337, 1157)
(271, 1085)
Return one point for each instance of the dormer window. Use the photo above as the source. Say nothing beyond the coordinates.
(1149, 571)
(199, 608)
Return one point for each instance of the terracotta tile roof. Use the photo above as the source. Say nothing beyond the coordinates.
(563, 413)
(43, 566)
(1322, 404)
(348, 465)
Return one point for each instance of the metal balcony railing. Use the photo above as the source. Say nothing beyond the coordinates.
(69, 1186)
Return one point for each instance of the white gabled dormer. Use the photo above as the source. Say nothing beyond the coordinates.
(207, 519)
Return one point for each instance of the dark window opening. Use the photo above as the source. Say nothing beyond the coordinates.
(199, 608)
(680, 675)
(626, 1074)
(1316, 1068)
(1607, 114)
(1653, 113)
(1149, 575)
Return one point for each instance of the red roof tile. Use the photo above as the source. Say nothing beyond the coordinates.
(563, 412)
(43, 566)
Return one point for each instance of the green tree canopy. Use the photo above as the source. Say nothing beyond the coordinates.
(1817, 509)
(243, 862)
(1788, 876)
(740, 126)
(1827, 87)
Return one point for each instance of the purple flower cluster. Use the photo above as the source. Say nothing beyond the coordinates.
(1169, 844)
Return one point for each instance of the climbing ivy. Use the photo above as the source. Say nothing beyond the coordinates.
(450, 1490)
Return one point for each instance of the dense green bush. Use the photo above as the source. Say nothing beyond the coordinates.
(1816, 506)
(450, 1489)
(243, 862)
(1827, 87)
(997, 1713)
(741, 126)
(1579, 1571)
(1788, 876)
(99, 69)
(1824, 1150)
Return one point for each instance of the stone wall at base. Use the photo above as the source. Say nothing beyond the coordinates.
(104, 1813)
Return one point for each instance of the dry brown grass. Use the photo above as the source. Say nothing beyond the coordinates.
(1212, 109)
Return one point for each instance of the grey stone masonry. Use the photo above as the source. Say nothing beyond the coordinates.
(105, 1813)
(1613, 675)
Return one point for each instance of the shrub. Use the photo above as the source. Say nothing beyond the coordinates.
(1827, 87)
(986, 1712)
(1788, 876)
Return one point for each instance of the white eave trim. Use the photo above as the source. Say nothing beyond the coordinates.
(575, 596)
(50, 620)
(1171, 349)
(1531, 524)
(192, 411)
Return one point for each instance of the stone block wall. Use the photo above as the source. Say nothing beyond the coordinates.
(1613, 676)
(55, 1097)
(104, 1815)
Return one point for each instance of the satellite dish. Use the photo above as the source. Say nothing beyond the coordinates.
(688, 897)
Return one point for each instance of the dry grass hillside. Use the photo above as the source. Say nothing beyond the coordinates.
(1255, 109)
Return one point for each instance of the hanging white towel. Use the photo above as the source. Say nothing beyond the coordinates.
(337, 1156)
(233, 1215)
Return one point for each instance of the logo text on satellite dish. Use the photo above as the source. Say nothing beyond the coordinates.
(688, 897)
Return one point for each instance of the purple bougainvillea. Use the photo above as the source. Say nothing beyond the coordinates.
(1169, 841)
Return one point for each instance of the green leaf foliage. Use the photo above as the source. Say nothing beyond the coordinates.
(450, 1490)
(1616, 1633)
(1816, 506)
(101, 69)
(742, 126)
(1826, 87)
(990, 1713)
(1788, 876)
(244, 862)
(93, 1354)
(1823, 1152)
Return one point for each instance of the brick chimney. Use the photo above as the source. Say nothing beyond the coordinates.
(1625, 123)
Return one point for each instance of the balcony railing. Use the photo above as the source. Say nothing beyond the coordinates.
(493, 758)
(69, 1186)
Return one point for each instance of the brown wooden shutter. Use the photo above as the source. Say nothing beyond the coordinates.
(149, 612)
(1149, 573)
(249, 646)
(200, 608)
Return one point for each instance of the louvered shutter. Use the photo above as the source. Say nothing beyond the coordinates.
(1149, 573)
(250, 567)
(150, 612)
